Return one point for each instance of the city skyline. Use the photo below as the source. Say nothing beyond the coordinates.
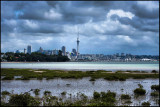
(105, 27)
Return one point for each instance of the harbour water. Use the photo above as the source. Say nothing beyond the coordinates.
(84, 66)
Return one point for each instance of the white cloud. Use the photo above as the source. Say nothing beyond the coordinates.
(126, 38)
(120, 13)
(31, 24)
(52, 14)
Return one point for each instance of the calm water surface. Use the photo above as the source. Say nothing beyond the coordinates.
(57, 86)
(85, 65)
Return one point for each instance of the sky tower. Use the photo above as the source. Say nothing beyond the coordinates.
(78, 44)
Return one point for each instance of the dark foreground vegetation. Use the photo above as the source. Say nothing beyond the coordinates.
(34, 57)
(26, 74)
(65, 99)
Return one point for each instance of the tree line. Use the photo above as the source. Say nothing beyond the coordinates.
(34, 57)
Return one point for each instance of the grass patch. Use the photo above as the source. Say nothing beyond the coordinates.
(51, 74)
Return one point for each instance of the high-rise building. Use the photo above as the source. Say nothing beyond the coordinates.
(40, 50)
(25, 51)
(74, 52)
(17, 51)
(55, 52)
(63, 50)
(29, 49)
(122, 54)
(78, 44)
(117, 54)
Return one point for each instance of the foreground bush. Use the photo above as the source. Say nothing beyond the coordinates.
(154, 94)
(125, 96)
(155, 87)
(139, 91)
(36, 91)
(96, 95)
(47, 93)
(23, 100)
(146, 104)
(154, 71)
(5, 93)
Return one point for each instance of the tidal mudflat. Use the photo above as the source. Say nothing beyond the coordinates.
(77, 86)
(82, 88)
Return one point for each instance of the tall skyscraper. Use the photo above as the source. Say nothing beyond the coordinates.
(17, 51)
(74, 52)
(25, 51)
(40, 49)
(63, 50)
(78, 44)
(29, 49)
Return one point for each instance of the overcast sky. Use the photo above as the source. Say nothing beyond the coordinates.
(105, 27)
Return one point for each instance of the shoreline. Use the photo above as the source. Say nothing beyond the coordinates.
(84, 70)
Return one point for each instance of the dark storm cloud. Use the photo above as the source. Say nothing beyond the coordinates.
(142, 11)
(135, 23)
(139, 23)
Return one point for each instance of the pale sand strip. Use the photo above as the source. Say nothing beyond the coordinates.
(39, 71)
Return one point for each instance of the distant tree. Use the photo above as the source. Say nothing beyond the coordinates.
(59, 53)
(35, 56)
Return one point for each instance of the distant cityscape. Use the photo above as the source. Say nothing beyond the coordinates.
(76, 56)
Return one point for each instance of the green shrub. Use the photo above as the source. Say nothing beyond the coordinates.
(139, 91)
(154, 94)
(155, 87)
(5, 93)
(25, 78)
(63, 93)
(146, 103)
(125, 96)
(122, 78)
(47, 92)
(108, 97)
(111, 94)
(23, 100)
(96, 95)
(8, 78)
(36, 91)
(154, 71)
(5, 104)
(128, 102)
